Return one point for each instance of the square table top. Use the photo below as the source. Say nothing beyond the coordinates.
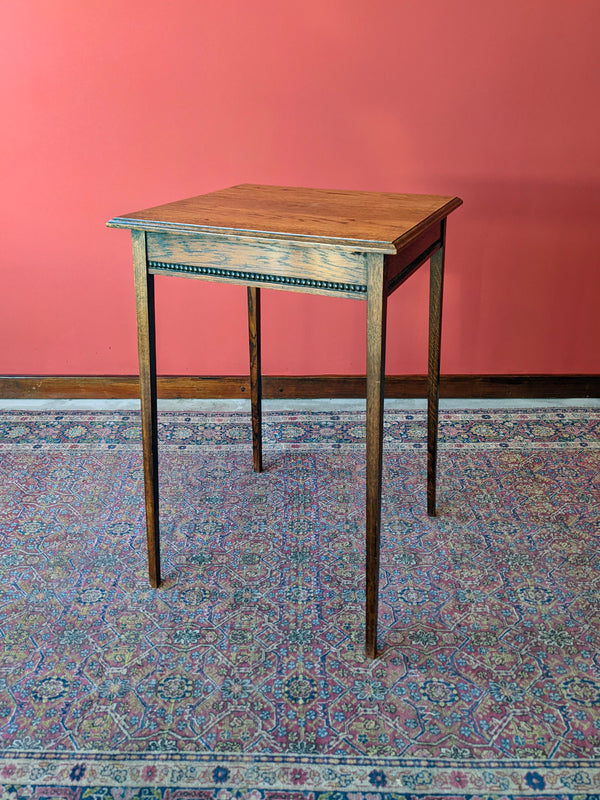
(370, 221)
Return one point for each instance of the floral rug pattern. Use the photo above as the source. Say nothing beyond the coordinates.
(244, 674)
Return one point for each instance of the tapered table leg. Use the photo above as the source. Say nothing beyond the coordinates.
(436, 281)
(376, 330)
(144, 301)
(255, 375)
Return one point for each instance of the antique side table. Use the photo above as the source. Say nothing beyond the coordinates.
(360, 245)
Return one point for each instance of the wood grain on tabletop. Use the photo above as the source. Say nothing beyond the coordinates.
(316, 214)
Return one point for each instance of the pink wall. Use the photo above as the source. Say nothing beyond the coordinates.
(110, 106)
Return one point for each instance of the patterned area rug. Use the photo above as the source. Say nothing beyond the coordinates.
(244, 676)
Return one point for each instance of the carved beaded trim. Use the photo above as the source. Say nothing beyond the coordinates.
(258, 277)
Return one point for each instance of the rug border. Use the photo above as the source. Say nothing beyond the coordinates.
(300, 773)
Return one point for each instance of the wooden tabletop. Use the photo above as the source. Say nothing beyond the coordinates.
(371, 221)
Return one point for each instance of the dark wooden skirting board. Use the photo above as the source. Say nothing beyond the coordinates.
(301, 387)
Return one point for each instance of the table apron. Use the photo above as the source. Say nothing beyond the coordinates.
(401, 266)
(313, 268)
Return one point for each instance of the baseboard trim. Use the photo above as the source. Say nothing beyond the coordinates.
(299, 387)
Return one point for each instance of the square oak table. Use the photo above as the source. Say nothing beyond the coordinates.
(360, 245)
